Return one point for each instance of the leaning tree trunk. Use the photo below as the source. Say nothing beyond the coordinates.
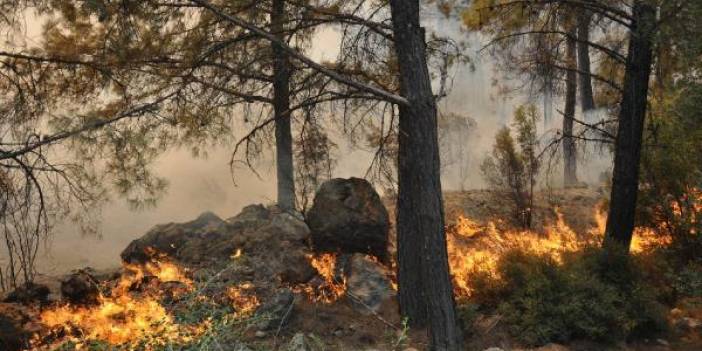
(570, 163)
(625, 183)
(281, 108)
(425, 290)
(587, 99)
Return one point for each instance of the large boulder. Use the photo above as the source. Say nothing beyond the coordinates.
(348, 216)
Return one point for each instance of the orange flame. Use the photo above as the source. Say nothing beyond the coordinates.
(120, 318)
(474, 248)
(244, 298)
(331, 288)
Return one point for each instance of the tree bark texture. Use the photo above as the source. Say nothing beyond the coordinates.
(570, 152)
(281, 109)
(587, 99)
(632, 114)
(425, 289)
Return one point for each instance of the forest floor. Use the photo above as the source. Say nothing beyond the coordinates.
(337, 325)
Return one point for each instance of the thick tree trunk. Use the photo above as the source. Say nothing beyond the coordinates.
(625, 183)
(587, 99)
(281, 108)
(570, 155)
(425, 289)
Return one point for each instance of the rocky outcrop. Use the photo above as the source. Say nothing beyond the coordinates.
(257, 230)
(348, 216)
(183, 240)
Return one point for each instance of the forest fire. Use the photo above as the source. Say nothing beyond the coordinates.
(243, 298)
(332, 285)
(130, 312)
(474, 248)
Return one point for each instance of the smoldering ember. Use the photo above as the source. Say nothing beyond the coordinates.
(402, 175)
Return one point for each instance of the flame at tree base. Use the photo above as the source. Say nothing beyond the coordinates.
(475, 248)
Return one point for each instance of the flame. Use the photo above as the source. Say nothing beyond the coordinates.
(123, 317)
(331, 287)
(474, 248)
(236, 254)
(243, 298)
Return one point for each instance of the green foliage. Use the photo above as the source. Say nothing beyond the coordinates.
(467, 315)
(544, 301)
(670, 197)
(513, 167)
(688, 283)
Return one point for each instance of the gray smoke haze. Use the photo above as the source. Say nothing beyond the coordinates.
(197, 185)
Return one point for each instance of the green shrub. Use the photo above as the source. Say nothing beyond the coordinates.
(688, 283)
(468, 313)
(544, 301)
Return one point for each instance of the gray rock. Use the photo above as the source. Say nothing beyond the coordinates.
(298, 343)
(80, 288)
(287, 227)
(348, 216)
(177, 239)
(367, 284)
(296, 268)
(256, 230)
(277, 311)
(251, 215)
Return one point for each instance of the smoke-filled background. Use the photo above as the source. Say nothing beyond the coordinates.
(197, 184)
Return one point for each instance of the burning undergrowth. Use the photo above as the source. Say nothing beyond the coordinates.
(475, 248)
(329, 285)
(151, 305)
(211, 279)
(127, 311)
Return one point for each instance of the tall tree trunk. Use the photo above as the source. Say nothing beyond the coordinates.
(425, 289)
(281, 108)
(632, 114)
(570, 155)
(587, 99)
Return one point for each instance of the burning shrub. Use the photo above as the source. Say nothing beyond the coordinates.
(544, 301)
